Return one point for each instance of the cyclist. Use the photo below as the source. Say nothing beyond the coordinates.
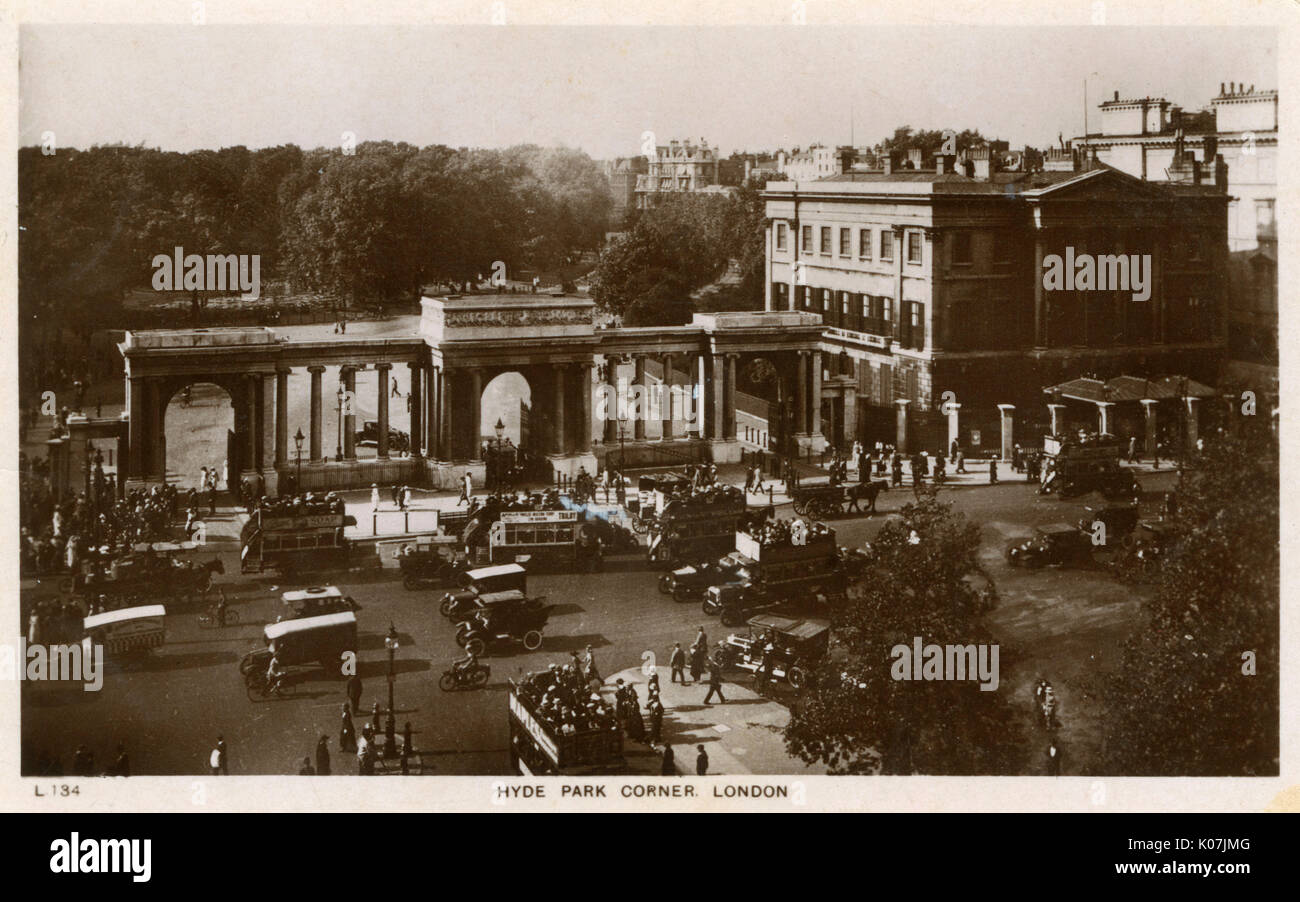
(219, 609)
(274, 674)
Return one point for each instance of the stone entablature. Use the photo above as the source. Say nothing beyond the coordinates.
(478, 317)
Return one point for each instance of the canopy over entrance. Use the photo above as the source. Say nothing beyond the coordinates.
(1130, 388)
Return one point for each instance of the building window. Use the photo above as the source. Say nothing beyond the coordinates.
(864, 244)
(886, 244)
(844, 303)
(805, 240)
(826, 241)
(846, 243)
(913, 247)
(826, 300)
(961, 249)
(780, 236)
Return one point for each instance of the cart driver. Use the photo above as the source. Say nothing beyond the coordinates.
(274, 673)
(466, 663)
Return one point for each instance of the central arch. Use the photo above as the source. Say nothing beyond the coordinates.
(201, 422)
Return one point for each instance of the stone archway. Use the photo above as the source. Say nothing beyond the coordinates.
(193, 433)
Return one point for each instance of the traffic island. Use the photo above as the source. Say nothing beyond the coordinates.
(744, 735)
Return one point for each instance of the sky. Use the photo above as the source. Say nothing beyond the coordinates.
(601, 88)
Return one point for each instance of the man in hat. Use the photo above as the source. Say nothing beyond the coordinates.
(677, 661)
(701, 761)
(715, 686)
(374, 497)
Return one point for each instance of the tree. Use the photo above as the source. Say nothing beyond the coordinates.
(923, 580)
(1197, 692)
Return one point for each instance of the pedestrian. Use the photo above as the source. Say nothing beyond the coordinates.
(354, 693)
(669, 768)
(697, 663)
(701, 761)
(217, 760)
(677, 661)
(701, 640)
(656, 709)
(960, 457)
(406, 739)
(466, 488)
(896, 470)
(1053, 759)
(323, 756)
(347, 732)
(374, 497)
(396, 494)
(1132, 448)
(406, 497)
(306, 770)
(993, 471)
(715, 686)
(952, 448)
(749, 480)
(589, 666)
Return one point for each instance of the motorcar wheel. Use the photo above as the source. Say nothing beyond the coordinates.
(533, 640)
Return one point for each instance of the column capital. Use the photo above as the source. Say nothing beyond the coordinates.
(1149, 401)
(902, 402)
(1104, 403)
(1002, 407)
(383, 366)
(281, 370)
(1056, 407)
(316, 368)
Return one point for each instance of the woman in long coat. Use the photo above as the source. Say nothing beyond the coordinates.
(347, 732)
(323, 757)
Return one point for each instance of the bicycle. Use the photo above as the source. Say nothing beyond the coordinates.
(258, 689)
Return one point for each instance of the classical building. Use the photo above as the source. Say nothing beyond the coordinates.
(817, 162)
(1153, 139)
(932, 282)
(678, 166)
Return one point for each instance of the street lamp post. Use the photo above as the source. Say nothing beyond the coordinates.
(500, 430)
(297, 443)
(338, 445)
(390, 728)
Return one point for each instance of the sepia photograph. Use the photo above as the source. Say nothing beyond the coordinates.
(652, 411)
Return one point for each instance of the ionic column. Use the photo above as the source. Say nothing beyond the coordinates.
(315, 372)
(349, 376)
(1150, 436)
(815, 407)
(475, 412)
(254, 432)
(281, 417)
(1103, 416)
(433, 413)
(559, 445)
(417, 420)
(638, 379)
(1055, 411)
(137, 427)
(611, 395)
(668, 398)
(801, 394)
(900, 426)
(445, 382)
(382, 378)
(584, 408)
(717, 391)
(729, 400)
(954, 424)
(1008, 429)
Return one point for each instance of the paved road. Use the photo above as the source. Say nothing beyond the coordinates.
(1066, 625)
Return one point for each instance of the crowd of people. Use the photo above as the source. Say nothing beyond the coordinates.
(796, 531)
(562, 697)
(301, 505)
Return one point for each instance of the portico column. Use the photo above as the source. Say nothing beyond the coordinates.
(717, 413)
(381, 378)
(815, 405)
(254, 438)
(954, 423)
(1008, 429)
(315, 372)
(1055, 411)
(1193, 422)
(729, 400)
(281, 417)
(349, 376)
(584, 408)
(1151, 436)
(668, 398)
(559, 445)
(157, 462)
(417, 396)
(1103, 416)
(475, 413)
(610, 435)
(900, 429)
(434, 411)
(638, 379)
(801, 394)
(137, 428)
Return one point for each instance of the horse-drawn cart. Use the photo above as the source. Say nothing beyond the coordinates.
(821, 501)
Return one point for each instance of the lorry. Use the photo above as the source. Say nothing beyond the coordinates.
(289, 543)
(539, 748)
(796, 564)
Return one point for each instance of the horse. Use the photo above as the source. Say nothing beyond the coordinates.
(867, 491)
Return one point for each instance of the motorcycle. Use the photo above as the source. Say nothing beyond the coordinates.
(464, 677)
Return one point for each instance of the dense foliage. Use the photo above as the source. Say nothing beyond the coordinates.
(1183, 703)
(369, 225)
(924, 579)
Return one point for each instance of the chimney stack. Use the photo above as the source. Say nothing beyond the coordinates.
(1117, 96)
(1221, 86)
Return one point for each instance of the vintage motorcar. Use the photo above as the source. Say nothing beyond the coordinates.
(458, 604)
(495, 624)
(783, 645)
(431, 562)
(689, 583)
(314, 601)
(493, 603)
(1056, 543)
(325, 639)
(368, 437)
